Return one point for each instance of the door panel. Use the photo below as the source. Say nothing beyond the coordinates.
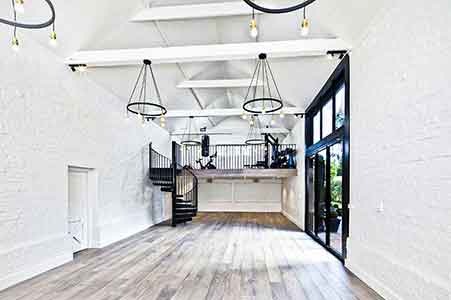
(78, 193)
(336, 197)
(325, 197)
(321, 194)
(311, 194)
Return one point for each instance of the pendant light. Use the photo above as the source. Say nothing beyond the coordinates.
(190, 136)
(266, 97)
(142, 101)
(283, 10)
(253, 26)
(254, 137)
(18, 7)
(305, 24)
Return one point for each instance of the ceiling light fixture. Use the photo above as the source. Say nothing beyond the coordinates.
(278, 10)
(190, 136)
(140, 102)
(254, 136)
(265, 98)
(18, 7)
(305, 24)
(79, 68)
(332, 54)
(253, 26)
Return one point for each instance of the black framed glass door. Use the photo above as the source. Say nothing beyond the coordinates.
(325, 217)
(327, 163)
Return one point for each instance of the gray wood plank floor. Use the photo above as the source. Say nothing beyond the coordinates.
(233, 256)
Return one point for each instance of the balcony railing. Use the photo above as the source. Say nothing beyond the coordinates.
(234, 157)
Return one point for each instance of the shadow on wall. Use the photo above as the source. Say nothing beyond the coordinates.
(136, 193)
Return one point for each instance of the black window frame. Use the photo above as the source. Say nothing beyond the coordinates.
(340, 77)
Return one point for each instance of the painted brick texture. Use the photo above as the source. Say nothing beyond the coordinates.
(400, 152)
(51, 118)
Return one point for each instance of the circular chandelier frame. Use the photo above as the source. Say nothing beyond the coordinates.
(45, 24)
(140, 106)
(187, 136)
(254, 136)
(260, 97)
(254, 142)
(278, 10)
(247, 106)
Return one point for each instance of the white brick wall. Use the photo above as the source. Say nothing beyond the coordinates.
(50, 118)
(293, 189)
(400, 152)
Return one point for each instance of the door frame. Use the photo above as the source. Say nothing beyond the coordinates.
(340, 77)
(92, 234)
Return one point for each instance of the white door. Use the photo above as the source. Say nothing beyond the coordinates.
(78, 208)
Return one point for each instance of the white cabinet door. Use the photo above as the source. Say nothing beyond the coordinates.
(78, 194)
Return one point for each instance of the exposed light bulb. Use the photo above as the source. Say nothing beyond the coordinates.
(143, 121)
(254, 30)
(282, 115)
(244, 116)
(330, 56)
(251, 122)
(162, 119)
(19, 6)
(15, 44)
(273, 122)
(53, 41)
(162, 124)
(82, 68)
(305, 27)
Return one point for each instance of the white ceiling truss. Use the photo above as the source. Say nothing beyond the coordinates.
(193, 11)
(208, 53)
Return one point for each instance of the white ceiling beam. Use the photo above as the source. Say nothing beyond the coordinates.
(207, 53)
(225, 112)
(231, 131)
(220, 83)
(193, 11)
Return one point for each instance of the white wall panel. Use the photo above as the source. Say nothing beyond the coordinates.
(240, 195)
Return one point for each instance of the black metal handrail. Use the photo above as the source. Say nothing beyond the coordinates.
(233, 157)
(160, 167)
(185, 183)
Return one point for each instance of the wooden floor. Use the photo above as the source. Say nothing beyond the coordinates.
(218, 256)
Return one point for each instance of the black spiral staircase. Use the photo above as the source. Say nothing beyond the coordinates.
(176, 179)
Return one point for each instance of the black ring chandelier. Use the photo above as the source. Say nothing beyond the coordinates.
(190, 136)
(18, 7)
(254, 137)
(140, 100)
(278, 10)
(263, 95)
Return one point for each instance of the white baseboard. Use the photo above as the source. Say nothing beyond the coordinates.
(372, 282)
(32, 271)
(292, 219)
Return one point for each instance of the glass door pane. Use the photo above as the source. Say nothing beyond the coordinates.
(311, 194)
(321, 193)
(336, 195)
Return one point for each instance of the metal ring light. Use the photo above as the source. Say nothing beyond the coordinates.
(247, 105)
(139, 101)
(254, 142)
(132, 108)
(187, 139)
(278, 10)
(190, 143)
(33, 26)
